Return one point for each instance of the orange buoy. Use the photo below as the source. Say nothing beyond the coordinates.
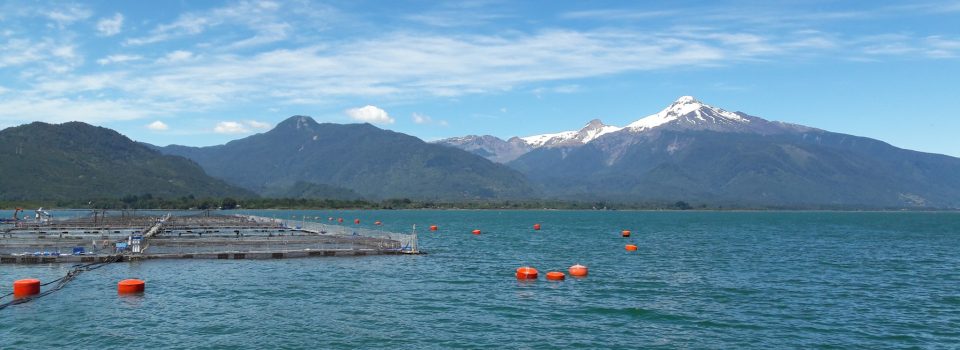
(130, 286)
(555, 276)
(476, 232)
(378, 223)
(433, 227)
(526, 273)
(356, 221)
(536, 227)
(625, 233)
(26, 287)
(631, 247)
(578, 271)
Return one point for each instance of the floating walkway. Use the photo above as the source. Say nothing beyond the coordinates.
(106, 236)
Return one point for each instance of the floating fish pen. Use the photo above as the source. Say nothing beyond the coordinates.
(176, 235)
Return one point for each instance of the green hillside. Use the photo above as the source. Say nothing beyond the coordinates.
(75, 160)
(372, 162)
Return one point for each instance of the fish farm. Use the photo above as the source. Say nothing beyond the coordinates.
(127, 236)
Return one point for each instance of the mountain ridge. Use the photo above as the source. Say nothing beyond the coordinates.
(738, 158)
(76, 160)
(373, 162)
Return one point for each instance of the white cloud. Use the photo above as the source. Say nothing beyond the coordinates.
(619, 14)
(66, 51)
(370, 114)
(185, 25)
(391, 66)
(158, 126)
(421, 118)
(220, 71)
(69, 14)
(935, 46)
(562, 89)
(265, 18)
(230, 128)
(177, 56)
(244, 127)
(15, 52)
(939, 47)
(118, 59)
(110, 26)
(258, 125)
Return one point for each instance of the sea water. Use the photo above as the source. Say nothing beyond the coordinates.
(698, 280)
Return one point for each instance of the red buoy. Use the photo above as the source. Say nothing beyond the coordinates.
(526, 273)
(578, 271)
(536, 227)
(433, 227)
(555, 276)
(26, 287)
(378, 223)
(339, 219)
(631, 247)
(625, 233)
(130, 286)
(356, 221)
(476, 232)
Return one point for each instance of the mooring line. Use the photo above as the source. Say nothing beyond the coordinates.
(61, 282)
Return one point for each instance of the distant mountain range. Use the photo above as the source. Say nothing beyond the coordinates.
(355, 159)
(689, 151)
(700, 153)
(79, 161)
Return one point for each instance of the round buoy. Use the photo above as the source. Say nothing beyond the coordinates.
(356, 221)
(330, 219)
(339, 219)
(476, 232)
(26, 287)
(378, 223)
(536, 227)
(130, 286)
(555, 276)
(625, 233)
(578, 271)
(526, 273)
(433, 227)
(631, 247)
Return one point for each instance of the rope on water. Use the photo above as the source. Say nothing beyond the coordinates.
(62, 281)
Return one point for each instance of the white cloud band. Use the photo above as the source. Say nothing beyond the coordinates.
(370, 114)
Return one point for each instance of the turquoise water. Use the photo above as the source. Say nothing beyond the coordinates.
(699, 280)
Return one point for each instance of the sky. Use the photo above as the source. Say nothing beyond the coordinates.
(206, 72)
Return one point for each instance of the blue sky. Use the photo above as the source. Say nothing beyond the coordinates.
(203, 73)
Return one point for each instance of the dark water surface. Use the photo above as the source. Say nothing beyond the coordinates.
(699, 280)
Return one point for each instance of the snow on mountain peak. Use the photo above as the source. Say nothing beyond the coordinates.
(594, 129)
(689, 110)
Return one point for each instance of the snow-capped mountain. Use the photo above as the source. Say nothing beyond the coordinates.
(697, 152)
(594, 129)
(686, 113)
(689, 112)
